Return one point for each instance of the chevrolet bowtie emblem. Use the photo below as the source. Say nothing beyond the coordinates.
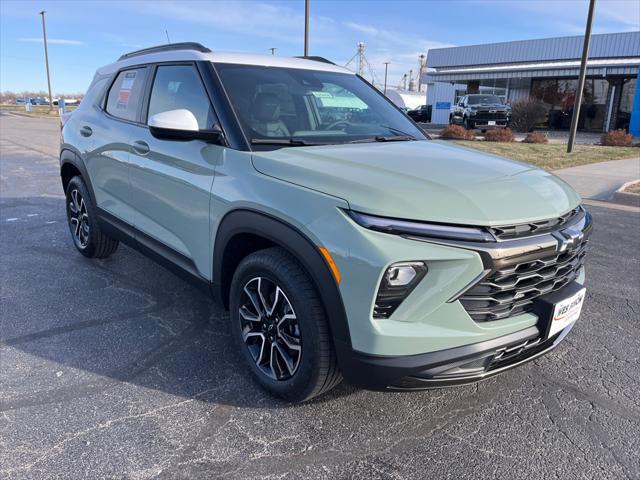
(569, 239)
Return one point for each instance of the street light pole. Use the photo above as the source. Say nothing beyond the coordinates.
(581, 79)
(306, 28)
(386, 67)
(46, 60)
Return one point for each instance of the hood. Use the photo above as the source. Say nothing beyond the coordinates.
(424, 180)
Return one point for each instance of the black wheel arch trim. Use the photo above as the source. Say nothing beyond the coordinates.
(69, 157)
(247, 221)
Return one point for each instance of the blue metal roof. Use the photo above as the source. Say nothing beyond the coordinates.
(608, 45)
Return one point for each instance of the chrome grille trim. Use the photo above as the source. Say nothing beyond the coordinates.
(510, 290)
(521, 269)
(507, 232)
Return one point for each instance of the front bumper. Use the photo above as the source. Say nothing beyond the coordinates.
(454, 366)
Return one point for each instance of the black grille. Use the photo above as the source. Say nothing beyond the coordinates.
(486, 115)
(511, 289)
(508, 232)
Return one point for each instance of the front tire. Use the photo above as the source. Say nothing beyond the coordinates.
(281, 328)
(468, 124)
(89, 240)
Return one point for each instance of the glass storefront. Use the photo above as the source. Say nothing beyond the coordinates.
(559, 95)
(626, 103)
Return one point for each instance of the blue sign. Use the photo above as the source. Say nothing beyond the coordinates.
(634, 124)
(443, 105)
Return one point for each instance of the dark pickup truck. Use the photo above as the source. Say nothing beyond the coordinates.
(421, 114)
(480, 111)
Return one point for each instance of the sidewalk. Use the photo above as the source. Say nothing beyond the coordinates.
(599, 181)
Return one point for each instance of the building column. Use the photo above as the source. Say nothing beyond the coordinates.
(617, 83)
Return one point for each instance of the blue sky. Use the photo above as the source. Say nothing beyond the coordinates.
(84, 35)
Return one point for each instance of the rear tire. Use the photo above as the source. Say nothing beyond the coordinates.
(89, 240)
(281, 327)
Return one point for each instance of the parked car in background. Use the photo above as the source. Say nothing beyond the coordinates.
(356, 248)
(421, 114)
(39, 101)
(480, 111)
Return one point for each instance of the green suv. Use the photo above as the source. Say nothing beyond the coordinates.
(343, 241)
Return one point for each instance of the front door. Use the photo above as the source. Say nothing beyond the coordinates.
(171, 180)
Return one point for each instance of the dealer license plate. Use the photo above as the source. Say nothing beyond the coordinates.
(491, 122)
(566, 312)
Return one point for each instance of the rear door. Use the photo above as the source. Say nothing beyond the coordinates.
(171, 180)
(107, 132)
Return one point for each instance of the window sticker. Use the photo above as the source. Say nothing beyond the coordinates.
(125, 90)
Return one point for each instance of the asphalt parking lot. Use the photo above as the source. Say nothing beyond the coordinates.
(118, 369)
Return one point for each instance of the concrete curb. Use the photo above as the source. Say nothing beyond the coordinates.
(625, 198)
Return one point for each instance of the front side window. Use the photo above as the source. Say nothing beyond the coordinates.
(178, 87)
(126, 93)
(308, 106)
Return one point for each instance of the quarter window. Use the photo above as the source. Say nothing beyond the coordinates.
(179, 87)
(126, 94)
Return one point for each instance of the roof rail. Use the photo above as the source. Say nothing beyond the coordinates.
(316, 59)
(167, 48)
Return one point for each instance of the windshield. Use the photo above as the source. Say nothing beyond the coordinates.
(490, 99)
(286, 107)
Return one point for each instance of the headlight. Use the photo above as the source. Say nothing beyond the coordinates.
(397, 283)
(421, 229)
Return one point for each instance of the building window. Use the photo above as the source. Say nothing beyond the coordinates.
(626, 103)
(560, 94)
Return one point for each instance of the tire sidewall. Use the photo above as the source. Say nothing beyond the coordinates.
(76, 183)
(304, 379)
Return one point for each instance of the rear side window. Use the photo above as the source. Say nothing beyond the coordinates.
(179, 87)
(126, 93)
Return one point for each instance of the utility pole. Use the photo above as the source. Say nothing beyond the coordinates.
(422, 65)
(306, 28)
(46, 60)
(361, 59)
(583, 72)
(273, 50)
(386, 67)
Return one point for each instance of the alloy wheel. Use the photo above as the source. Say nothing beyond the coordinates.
(78, 218)
(270, 329)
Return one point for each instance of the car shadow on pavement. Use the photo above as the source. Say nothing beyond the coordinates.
(94, 325)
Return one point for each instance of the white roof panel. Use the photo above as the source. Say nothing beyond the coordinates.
(224, 57)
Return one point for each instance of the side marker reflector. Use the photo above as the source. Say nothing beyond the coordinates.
(332, 265)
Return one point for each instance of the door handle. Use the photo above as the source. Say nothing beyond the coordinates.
(86, 131)
(140, 147)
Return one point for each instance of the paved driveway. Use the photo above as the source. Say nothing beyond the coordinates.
(118, 369)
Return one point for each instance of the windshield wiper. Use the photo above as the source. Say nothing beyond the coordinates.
(385, 138)
(291, 142)
(397, 131)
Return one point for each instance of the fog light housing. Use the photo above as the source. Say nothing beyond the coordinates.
(397, 283)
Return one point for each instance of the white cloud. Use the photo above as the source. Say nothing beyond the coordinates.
(258, 19)
(570, 16)
(52, 41)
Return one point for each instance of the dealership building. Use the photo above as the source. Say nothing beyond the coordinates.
(544, 69)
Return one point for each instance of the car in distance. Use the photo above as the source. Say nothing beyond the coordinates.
(356, 248)
(480, 111)
(421, 114)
